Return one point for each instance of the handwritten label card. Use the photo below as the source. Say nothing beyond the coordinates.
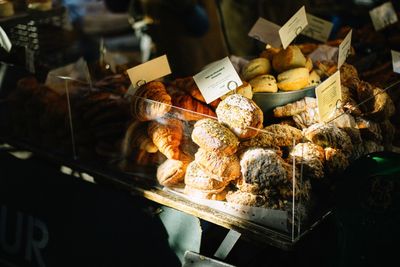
(396, 61)
(266, 32)
(217, 80)
(149, 71)
(329, 94)
(318, 29)
(293, 27)
(383, 15)
(344, 49)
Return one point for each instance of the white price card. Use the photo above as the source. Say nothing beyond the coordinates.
(329, 95)
(317, 28)
(267, 32)
(396, 61)
(217, 80)
(293, 27)
(149, 71)
(344, 49)
(383, 16)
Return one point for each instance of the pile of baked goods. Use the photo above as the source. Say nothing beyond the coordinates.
(280, 69)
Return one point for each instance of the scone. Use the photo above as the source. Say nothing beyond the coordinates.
(245, 90)
(264, 83)
(288, 58)
(211, 135)
(256, 67)
(226, 168)
(241, 115)
(294, 79)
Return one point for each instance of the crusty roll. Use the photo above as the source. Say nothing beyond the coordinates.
(264, 83)
(246, 198)
(166, 134)
(288, 58)
(226, 168)
(256, 67)
(241, 115)
(196, 177)
(199, 109)
(210, 135)
(312, 157)
(151, 101)
(293, 79)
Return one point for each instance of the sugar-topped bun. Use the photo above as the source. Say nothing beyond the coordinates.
(241, 115)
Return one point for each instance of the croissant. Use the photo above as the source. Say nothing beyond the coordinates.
(167, 134)
(189, 103)
(151, 101)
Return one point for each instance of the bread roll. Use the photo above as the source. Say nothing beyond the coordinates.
(256, 67)
(294, 79)
(241, 115)
(264, 83)
(206, 194)
(288, 58)
(210, 135)
(226, 168)
(246, 198)
(171, 172)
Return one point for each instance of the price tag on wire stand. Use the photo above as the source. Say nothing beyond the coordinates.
(267, 32)
(396, 61)
(293, 27)
(317, 28)
(217, 80)
(383, 16)
(329, 95)
(149, 71)
(344, 49)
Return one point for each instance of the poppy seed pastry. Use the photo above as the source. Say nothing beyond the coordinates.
(210, 135)
(196, 177)
(240, 114)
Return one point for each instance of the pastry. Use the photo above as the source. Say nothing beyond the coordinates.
(264, 83)
(245, 90)
(336, 161)
(274, 135)
(226, 168)
(293, 79)
(306, 118)
(172, 172)
(295, 107)
(192, 109)
(310, 158)
(288, 58)
(314, 79)
(246, 198)
(206, 194)
(256, 67)
(196, 177)
(210, 135)
(369, 129)
(262, 168)
(166, 134)
(329, 135)
(241, 115)
(269, 53)
(151, 101)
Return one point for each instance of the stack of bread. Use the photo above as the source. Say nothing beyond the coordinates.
(280, 69)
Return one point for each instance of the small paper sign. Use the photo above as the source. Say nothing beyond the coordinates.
(383, 15)
(318, 29)
(217, 80)
(293, 27)
(149, 71)
(344, 49)
(267, 32)
(329, 94)
(396, 61)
